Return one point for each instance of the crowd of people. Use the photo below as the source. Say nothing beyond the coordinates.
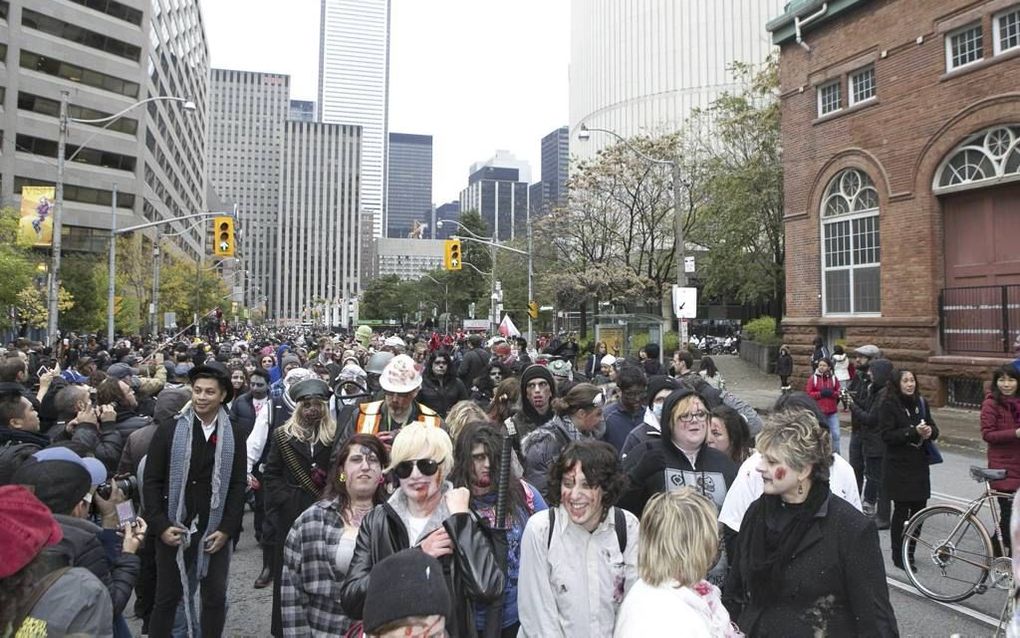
(454, 486)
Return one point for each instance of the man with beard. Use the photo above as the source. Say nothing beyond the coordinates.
(194, 499)
(401, 382)
(476, 467)
(537, 391)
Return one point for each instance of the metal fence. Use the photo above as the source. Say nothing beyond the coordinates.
(980, 319)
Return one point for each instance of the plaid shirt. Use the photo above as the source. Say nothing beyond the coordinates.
(310, 585)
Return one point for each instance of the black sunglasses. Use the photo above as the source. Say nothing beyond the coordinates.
(427, 467)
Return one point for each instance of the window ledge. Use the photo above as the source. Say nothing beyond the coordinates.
(872, 101)
(980, 64)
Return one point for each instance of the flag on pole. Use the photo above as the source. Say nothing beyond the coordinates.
(507, 327)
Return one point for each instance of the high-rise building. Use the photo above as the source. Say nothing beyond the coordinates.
(107, 56)
(555, 162)
(641, 67)
(247, 112)
(319, 228)
(409, 185)
(302, 111)
(444, 212)
(354, 62)
(498, 190)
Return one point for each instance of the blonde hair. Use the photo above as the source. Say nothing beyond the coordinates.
(794, 437)
(682, 406)
(420, 441)
(678, 538)
(327, 429)
(462, 413)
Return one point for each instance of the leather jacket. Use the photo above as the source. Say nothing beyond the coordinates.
(471, 571)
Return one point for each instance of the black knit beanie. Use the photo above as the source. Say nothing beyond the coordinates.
(656, 384)
(403, 585)
(535, 371)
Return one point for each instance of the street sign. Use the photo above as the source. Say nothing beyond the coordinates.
(685, 302)
(689, 264)
(169, 320)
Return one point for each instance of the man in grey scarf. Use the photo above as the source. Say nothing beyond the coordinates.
(194, 492)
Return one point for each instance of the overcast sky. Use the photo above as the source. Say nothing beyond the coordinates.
(477, 75)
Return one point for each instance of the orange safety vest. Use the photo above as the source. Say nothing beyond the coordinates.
(370, 417)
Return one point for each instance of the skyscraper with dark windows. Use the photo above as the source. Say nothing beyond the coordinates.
(555, 163)
(409, 185)
(302, 111)
(498, 190)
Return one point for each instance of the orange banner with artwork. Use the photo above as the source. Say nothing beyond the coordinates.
(36, 225)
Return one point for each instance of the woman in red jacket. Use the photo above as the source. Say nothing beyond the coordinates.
(824, 389)
(1000, 428)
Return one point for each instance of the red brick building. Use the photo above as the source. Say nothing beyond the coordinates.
(901, 152)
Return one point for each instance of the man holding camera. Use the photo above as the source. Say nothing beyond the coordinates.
(194, 499)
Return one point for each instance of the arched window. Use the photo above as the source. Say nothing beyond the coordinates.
(851, 271)
(987, 157)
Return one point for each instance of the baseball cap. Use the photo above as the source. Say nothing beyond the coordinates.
(60, 485)
(96, 469)
(121, 371)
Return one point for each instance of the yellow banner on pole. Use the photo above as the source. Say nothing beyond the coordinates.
(36, 225)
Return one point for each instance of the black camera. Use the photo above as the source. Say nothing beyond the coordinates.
(128, 485)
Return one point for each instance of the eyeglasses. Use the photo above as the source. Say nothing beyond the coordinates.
(692, 417)
(427, 467)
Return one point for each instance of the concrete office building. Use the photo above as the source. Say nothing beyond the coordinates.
(319, 227)
(408, 258)
(640, 67)
(107, 56)
(354, 61)
(498, 190)
(247, 113)
(409, 184)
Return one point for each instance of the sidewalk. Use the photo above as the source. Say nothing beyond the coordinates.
(957, 426)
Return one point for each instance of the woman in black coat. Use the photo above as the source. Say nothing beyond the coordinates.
(295, 472)
(440, 387)
(805, 563)
(905, 423)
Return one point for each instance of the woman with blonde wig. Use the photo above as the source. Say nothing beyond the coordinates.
(679, 543)
(295, 471)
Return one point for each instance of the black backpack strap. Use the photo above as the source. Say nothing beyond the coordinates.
(620, 523)
(552, 525)
(40, 589)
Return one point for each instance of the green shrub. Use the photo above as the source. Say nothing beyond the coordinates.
(762, 330)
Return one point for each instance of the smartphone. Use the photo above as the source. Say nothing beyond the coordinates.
(41, 371)
(126, 513)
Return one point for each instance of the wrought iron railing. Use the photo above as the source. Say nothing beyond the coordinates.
(979, 319)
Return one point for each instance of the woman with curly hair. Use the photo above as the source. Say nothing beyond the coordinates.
(578, 558)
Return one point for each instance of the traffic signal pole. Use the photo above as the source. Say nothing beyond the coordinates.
(112, 273)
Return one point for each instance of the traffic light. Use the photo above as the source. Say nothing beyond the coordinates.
(533, 309)
(451, 255)
(223, 236)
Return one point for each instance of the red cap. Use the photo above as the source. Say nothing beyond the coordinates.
(26, 527)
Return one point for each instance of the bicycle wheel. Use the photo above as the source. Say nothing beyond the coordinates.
(947, 553)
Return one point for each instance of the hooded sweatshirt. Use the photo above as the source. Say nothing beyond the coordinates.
(527, 419)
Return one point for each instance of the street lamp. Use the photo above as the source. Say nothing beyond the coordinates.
(584, 134)
(446, 299)
(58, 208)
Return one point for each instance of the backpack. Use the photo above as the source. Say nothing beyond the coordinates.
(619, 522)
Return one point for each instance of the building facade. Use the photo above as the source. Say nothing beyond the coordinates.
(407, 258)
(107, 56)
(901, 137)
(641, 66)
(354, 66)
(450, 211)
(555, 165)
(319, 226)
(302, 111)
(247, 116)
(409, 185)
(498, 190)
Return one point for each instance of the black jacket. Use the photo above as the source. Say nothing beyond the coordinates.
(441, 393)
(471, 572)
(833, 586)
(473, 364)
(867, 392)
(784, 364)
(905, 467)
(242, 412)
(657, 465)
(104, 441)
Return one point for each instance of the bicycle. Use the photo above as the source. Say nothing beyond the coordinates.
(959, 557)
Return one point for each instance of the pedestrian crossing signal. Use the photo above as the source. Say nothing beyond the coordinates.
(223, 236)
(451, 255)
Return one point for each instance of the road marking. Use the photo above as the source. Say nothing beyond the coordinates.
(960, 609)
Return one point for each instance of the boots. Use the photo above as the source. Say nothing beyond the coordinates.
(265, 578)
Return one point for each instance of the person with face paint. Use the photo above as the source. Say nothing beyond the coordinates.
(440, 387)
(427, 512)
(579, 557)
(484, 388)
(805, 563)
(1000, 428)
(295, 472)
(538, 388)
(320, 545)
(905, 423)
